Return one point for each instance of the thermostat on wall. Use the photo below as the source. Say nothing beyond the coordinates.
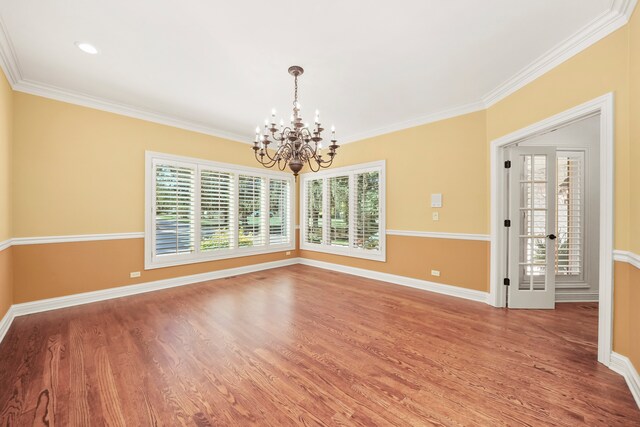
(436, 200)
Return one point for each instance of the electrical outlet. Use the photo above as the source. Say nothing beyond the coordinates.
(288, 253)
(435, 216)
(435, 273)
(134, 274)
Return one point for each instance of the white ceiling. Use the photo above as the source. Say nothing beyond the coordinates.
(220, 66)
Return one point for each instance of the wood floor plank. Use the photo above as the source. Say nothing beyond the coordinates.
(302, 346)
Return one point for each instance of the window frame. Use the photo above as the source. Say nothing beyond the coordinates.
(581, 280)
(351, 172)
(152, 261)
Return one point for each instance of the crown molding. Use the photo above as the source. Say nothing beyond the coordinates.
(12, 70)
(417, 121)
(625, 7)
(608, 22)
(8, 58)
(86, 100)
(617, 16)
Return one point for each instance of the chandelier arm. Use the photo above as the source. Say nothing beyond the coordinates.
(266, 152)
(327, 163)
(306, 148)
(267, 164)
(311, 166)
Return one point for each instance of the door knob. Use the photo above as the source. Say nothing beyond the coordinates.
(552, 236)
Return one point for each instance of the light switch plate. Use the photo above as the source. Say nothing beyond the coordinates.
(436, 200)
(435, 216)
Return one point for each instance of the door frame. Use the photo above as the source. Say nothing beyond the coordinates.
(603, 105)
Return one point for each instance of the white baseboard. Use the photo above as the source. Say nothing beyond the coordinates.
(425, 285)
(622, 365)
(123, 291)
(577, 297)
(5, 322)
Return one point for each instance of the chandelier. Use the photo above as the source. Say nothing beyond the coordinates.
(295, 144)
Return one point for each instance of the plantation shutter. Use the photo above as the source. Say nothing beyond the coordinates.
(366, 196)
(570, 214)
(279, 211)
(252, 211)
(217, 210)
(313, 220)
(339, 210)
(174, 209)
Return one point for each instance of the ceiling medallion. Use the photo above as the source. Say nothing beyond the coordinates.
(297, 143)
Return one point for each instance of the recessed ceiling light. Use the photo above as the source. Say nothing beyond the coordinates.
(87, 48)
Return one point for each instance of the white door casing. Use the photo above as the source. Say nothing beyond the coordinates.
(604, 106)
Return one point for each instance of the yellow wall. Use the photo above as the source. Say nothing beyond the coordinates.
(626, 322)
(437, 157)
(634, 127)
(433, 158)
(600, 69)
(628, 293)
(6, 126)
(77, 170)
(415, 257)
(85, 168)
(59, 269)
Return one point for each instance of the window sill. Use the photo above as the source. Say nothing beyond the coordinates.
(348, 252)
(236, 253)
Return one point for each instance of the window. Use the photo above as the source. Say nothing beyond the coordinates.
(313, 204)
(570, 215)
(200, 211)
(217, 210)
(251, 211)
(175, 209)
(339, 211)
(343, 211)
(279, 211)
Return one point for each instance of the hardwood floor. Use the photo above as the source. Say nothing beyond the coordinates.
(303, 346)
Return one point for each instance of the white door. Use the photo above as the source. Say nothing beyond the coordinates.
(532, 232)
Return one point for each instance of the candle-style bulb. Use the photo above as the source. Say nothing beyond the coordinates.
(333, 129)
(257, 130)
(273, 112)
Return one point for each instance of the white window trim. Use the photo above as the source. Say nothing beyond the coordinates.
(582, 280)
(169, 261)
(379, 166)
